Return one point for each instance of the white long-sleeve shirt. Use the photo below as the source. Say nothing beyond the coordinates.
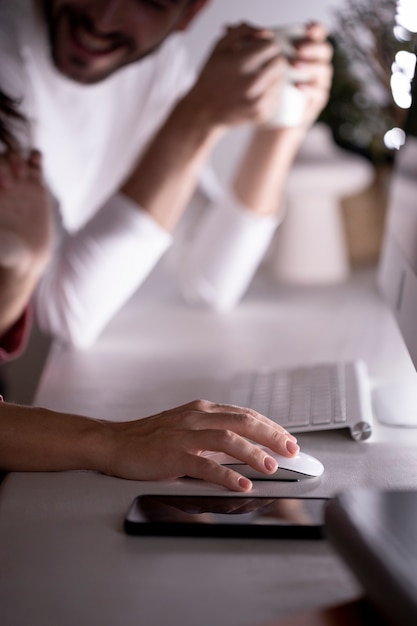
(90, 137)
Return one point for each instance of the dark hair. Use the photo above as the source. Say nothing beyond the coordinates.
(9, 113)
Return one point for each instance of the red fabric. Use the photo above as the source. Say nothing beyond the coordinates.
(13, 343)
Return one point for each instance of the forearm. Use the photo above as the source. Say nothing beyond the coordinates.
(36, 439)
(261, 176)
(234, 235)
(233, 89)
(97, 269)
(167, 173)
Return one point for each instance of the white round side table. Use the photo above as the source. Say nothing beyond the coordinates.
(310, 246)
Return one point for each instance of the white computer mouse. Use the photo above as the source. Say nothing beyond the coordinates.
(295, 468)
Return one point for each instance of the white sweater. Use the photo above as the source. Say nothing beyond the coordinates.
(90, 137)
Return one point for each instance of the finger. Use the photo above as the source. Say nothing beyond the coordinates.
(258, 59)
(6, 174)
(201, 415)
(208, 470)
(18, 165)
(35, 159)
(250, 47)
(320, 83)
(316, 74)
(316, 31)
(244, 31)
(239, 413)
(35, 165)
(229, 447)
(318, 52)
(8, 164)
(270, 77)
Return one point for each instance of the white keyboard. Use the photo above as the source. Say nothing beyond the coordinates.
(309, 398)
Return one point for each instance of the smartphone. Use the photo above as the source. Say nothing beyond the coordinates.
(226, 516)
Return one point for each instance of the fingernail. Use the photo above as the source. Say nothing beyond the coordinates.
(244, 483)
(291, 446)
(270, 464)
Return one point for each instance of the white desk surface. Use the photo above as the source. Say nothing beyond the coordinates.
(65, 559)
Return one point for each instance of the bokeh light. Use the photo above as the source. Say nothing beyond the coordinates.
(403, 67)
(394, 138)
(406, 15)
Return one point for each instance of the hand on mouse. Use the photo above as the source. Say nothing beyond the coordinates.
(174, 443)
(164, 446)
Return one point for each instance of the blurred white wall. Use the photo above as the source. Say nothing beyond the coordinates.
(209, 26)
(218, 13)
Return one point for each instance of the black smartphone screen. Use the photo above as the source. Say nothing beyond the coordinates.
(226, 516)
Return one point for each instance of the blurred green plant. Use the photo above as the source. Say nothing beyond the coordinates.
(361, 108)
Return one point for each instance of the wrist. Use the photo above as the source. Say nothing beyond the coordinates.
(289, 139)
(98, 445)
(194, 117)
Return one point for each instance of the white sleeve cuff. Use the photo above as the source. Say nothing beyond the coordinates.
(133, 217)
(225, 254)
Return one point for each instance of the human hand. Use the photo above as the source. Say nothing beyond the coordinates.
(173, 444)
(25, 214)
(314, 61)
(241, 79)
